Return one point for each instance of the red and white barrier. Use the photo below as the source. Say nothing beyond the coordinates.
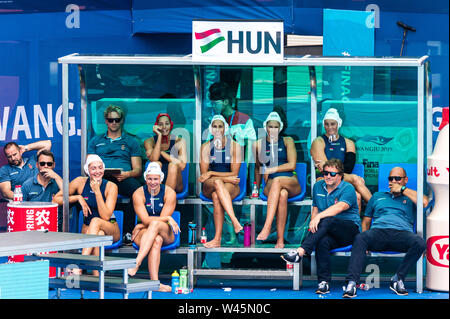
(437, 277)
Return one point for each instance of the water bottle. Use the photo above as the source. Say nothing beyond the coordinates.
(183, 281)
(18, 196)
(175, 281)
(255, 192)
(363, 287)
(203, 237)
(192, 234)
(247, 234)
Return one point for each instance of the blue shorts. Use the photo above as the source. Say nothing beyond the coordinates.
(280, 174)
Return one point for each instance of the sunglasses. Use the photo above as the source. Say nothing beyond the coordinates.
(326, 173)
(45, 163)
(396, 178)
(117, 120)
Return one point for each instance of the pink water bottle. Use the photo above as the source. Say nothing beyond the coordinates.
(247, 234)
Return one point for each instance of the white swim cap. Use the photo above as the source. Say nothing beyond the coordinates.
(220, 118)
(273, 116)
(332, 114)
(153, 168)
(92, 158)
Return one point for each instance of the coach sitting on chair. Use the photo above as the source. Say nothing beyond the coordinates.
(388, 226)
(334, 222)
(19, 168)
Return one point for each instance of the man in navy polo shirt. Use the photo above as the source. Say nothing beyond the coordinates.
(45, 183)
(388, 226)
(334, 221)
(118, 149)
(19, 168)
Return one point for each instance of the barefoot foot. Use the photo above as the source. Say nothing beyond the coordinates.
(279, 245)
(263, 234)
(212, 244)
(164, 288)
(133, 271)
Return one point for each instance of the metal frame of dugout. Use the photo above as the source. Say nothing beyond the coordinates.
(424, 120)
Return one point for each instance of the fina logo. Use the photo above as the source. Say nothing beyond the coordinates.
(237, 41)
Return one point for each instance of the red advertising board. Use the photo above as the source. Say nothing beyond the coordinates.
(27, 216)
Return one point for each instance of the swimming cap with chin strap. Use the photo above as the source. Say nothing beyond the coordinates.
(165, 139)
(220, 118)
(92, 158)
(273, 116)
(154, 169)
(332, 114)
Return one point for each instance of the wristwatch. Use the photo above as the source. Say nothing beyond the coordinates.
(402, 189)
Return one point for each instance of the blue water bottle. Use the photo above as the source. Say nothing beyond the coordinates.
(192, 234)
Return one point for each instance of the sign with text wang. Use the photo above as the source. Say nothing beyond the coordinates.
(237, 41)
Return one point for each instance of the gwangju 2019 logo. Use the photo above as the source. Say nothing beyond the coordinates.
(208, 39)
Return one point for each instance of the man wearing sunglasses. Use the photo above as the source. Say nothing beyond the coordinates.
(119, 149)
(19, 168)
(45, 183)
(334, 221)
(388, 225)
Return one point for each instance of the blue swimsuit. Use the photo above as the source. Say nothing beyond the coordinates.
(155, 208)
(220, 159)
(89, 196)
(336, 149)
(164, 162)
(280, 149)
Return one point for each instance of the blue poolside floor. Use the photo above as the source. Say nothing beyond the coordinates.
(259, 289)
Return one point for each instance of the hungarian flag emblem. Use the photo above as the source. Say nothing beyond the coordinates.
(208, 39)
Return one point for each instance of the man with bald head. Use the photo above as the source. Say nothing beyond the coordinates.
(388, 225)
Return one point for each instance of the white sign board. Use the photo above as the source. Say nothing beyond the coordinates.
(237, 41)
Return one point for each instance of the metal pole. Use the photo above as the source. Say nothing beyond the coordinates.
(313, 84)
(429, 109)
(420, 169)
(197, 138)
(65, 120)
(197, 141)
(83, 94)
(101, 281)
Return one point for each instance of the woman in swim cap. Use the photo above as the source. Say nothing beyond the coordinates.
(220, 161)
(333, 145)
(154, 204)
(276, 160)
(168, 150)
(96, 198)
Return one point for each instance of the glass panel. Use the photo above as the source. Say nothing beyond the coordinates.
(378, 106)
(143, 92)
(259, 90)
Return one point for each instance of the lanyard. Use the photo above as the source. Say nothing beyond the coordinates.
(232, 117)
